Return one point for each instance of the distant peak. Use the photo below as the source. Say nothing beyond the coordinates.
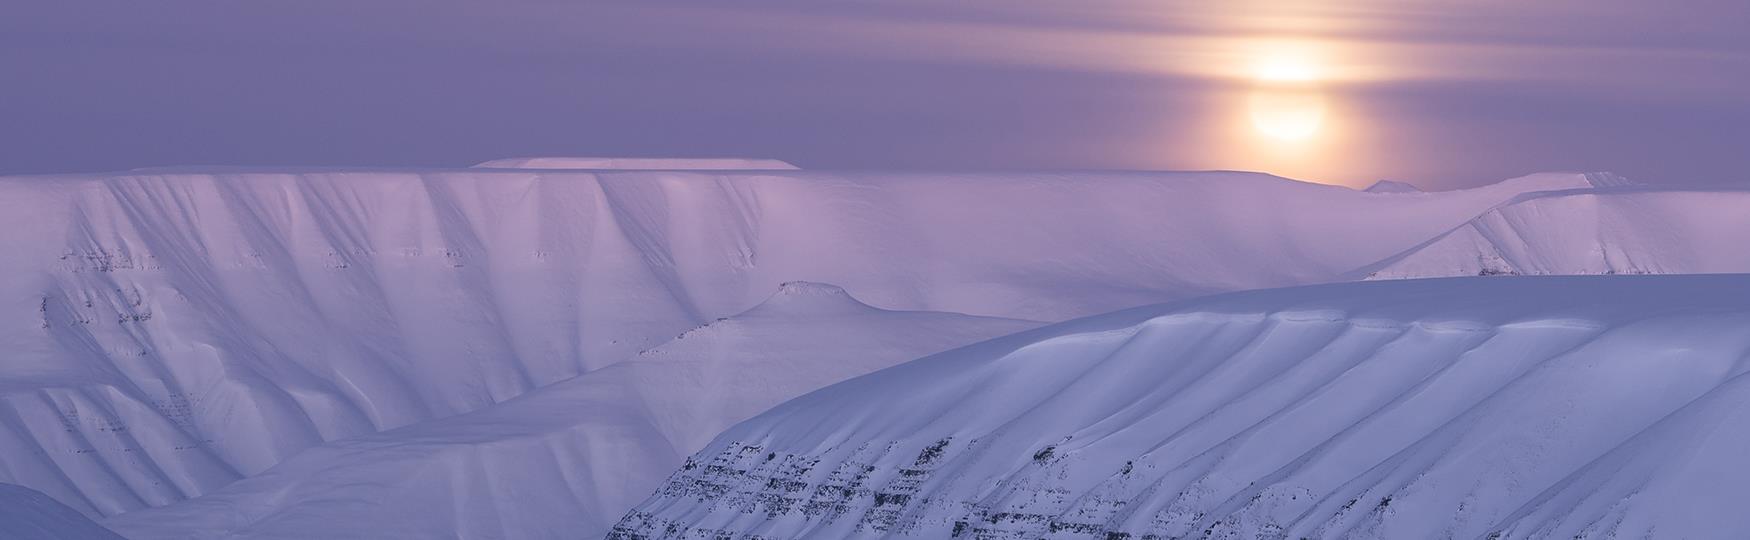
(1393, 186)
(613, 163)
(796, 297)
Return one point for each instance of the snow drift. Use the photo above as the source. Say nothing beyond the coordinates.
(1514, 407)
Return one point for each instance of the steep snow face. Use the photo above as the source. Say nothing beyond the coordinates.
(28, 515)
(169, 333)
(1529, 407)
(1590, 233)
(566, 460)
(636, 163)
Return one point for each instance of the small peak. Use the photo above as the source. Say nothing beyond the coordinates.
(796, 297)
(1393, 186)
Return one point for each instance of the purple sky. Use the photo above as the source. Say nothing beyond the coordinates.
(1443, 94)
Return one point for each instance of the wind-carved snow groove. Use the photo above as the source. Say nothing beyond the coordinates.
(1483, 411)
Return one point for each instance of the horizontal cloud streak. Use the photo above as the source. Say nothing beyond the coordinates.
(904, 83)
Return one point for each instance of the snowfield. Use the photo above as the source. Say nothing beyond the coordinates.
(266, 337)
(1516, 407)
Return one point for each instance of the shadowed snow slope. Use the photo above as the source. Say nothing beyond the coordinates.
(170, 332)
(1532, 407)
(634, 163)
(1585, 232)
(566, 460)
(28, 515)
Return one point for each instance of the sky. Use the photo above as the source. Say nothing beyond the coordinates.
(1443, 94)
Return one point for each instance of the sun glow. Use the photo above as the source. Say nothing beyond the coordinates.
(1285, 66)
(1287, 115)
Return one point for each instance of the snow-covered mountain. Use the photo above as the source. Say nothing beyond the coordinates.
(1512, 407)
(1392, 186)
(173, 331)
(26, 514)
(567, 459)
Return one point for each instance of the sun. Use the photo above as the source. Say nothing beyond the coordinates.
(1286, 103)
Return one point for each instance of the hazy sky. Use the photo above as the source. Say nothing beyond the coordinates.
(1443, 94)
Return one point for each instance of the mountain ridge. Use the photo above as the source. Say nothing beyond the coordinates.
(1461, 406)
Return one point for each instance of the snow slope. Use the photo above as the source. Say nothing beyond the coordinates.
(172, 331)
(28, 515)
(1590, 232)
(1513, 407)
(566, 460)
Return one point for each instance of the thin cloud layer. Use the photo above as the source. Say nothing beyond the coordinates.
(1645, 89)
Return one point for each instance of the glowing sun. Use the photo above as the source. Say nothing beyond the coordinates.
(1285, 103)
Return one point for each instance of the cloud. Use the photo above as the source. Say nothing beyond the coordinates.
(1695, 53)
